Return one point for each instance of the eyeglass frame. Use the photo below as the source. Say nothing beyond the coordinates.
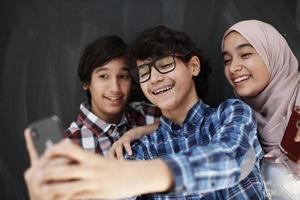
(152, 64)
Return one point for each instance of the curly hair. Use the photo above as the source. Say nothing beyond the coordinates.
(160, 40)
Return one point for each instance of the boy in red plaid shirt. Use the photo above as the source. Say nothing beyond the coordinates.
(104, 75)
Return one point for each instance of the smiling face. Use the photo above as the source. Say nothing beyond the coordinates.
(110, 87)
(173, 92)
(244, 68)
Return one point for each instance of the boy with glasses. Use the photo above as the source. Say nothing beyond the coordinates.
(197, 152)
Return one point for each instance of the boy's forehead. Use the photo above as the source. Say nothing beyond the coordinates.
(149, 59)
(120, 67)
(140, 62)
(146, 60)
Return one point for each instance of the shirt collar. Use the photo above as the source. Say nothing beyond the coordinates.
(193, 117)
(196, 113)
(90, 120)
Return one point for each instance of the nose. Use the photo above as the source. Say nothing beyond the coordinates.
(156, 76)
(235, 66)
(114, 85)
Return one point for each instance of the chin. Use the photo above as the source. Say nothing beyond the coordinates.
(114, 110)
(245, 94)
(166, 105)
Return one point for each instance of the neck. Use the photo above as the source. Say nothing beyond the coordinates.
(179, 114)
(107, 117)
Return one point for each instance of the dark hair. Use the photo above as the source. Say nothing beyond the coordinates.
(160, 40)
(97, 54)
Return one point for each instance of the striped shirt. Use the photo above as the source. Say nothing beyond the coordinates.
(97, 136)
(213, 154)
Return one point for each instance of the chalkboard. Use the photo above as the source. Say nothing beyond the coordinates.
(41, 42)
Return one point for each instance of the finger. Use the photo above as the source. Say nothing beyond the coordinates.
(66, 196)
(57, 161)
(128, 148)
(66, 149)
(85, 195)
(46, 194)
(28, 174)
(297, 138)
(91, 192)
(111, 153)
(33, 155)
(63, 173)
(63, 189)
(32, 180)
(119, 152)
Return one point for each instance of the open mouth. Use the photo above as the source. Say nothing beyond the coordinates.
(241, 78)
(163, 90)
(114, 99)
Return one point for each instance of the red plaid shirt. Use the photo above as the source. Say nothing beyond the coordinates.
(95, 135)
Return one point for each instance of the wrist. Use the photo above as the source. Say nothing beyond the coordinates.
(140, 132)
(162, 176)
(152, 176)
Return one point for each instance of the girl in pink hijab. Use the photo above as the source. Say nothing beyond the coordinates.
(263, 71)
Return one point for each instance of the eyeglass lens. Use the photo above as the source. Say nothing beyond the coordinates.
(163, 65)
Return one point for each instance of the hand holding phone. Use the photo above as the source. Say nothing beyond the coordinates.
(45, 132)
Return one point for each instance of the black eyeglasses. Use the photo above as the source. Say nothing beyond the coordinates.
(163, 65)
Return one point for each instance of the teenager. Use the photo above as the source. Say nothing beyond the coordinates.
(263, 72)
(197, 152)
(104, 75)
(105, 116)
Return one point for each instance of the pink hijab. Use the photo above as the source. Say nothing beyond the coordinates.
(274, 105)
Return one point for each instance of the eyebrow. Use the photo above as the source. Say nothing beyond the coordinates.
(239, 47)
(99, 69)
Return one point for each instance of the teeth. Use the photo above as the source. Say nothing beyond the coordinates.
(241, 78)
(114, 98)
(163, 90)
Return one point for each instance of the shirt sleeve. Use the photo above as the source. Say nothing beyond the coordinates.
(227, 159)
(83, 137)
(73, 133)
(139, 150)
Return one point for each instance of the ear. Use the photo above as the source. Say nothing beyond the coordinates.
(195, 65)
(85, 86)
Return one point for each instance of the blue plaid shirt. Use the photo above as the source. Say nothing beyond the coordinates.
(214, 154)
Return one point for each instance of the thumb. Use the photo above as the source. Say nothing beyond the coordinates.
(33, 155)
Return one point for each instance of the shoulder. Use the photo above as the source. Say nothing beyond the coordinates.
(235, 108)
(142, 113)
(148, 142)
(233, 105)
(74, 130)
(142, 107)
(140, 149)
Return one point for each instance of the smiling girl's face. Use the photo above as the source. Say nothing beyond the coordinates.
(244, 68)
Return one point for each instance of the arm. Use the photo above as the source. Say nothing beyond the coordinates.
(84, 180)
(219, 163)
(116, 151)
(225, 161)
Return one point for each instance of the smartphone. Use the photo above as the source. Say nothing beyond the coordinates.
(46, 132)
(290, 142)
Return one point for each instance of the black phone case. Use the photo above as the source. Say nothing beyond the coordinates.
(45, 131)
